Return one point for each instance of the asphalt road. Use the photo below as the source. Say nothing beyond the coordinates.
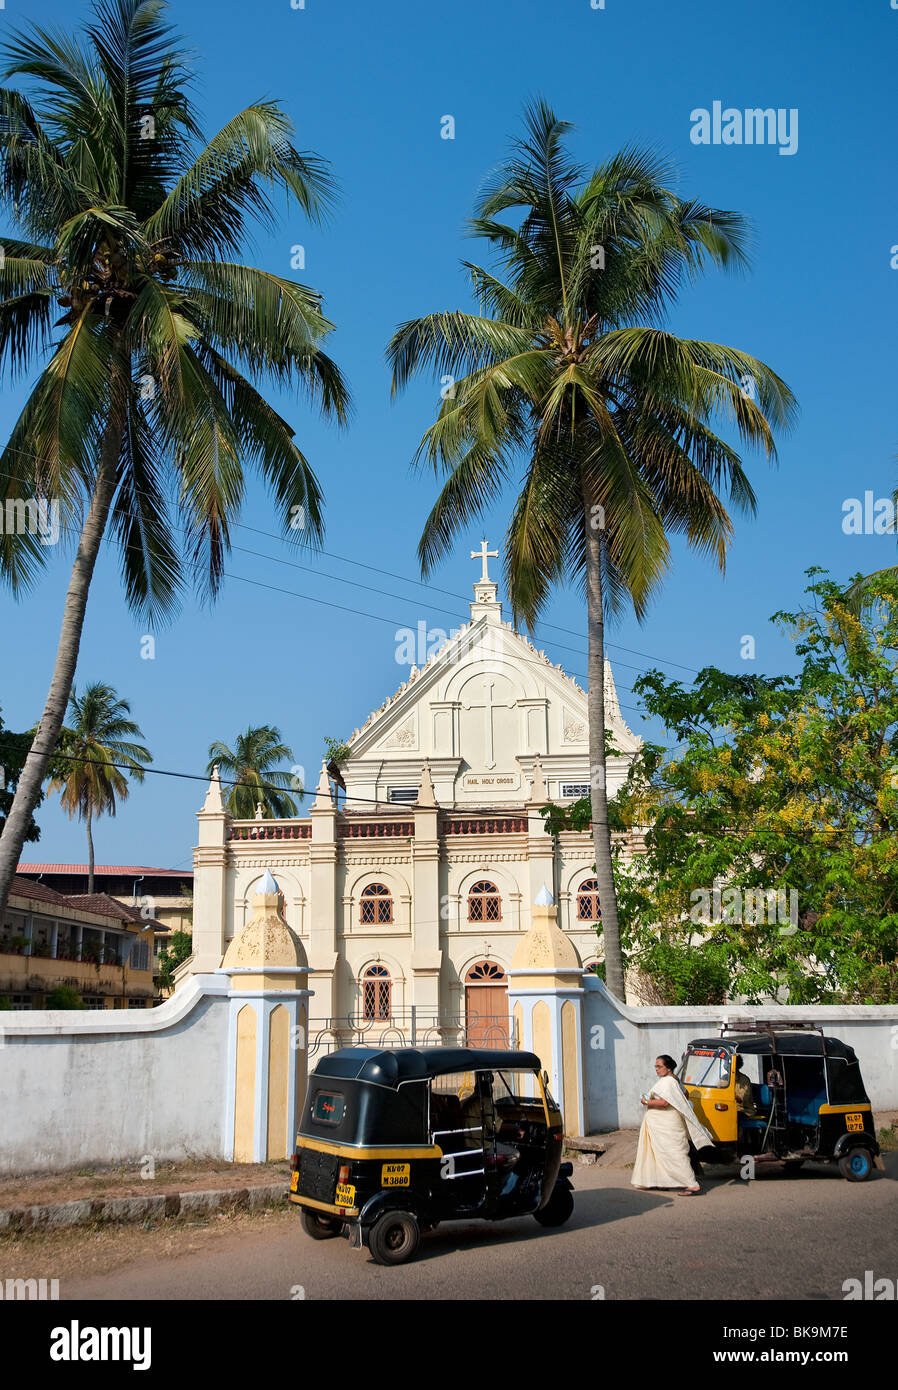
(775, 1237)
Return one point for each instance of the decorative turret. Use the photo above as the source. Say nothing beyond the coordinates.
(265, 941)
(426, 796)
(545, 948)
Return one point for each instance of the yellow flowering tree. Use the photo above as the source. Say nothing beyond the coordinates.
(771, 827)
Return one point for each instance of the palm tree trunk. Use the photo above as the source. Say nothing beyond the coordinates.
(90, 855)
(598, 782)
(35, 769)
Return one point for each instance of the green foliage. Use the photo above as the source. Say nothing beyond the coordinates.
(785, 784)
(252, 768)
(96, 754)
(124, 301)
(578, 815)
(564, 382)
(13, 752)
(336, 751)
(5, 1003)
(65, 997)
(671, 972)
(171, 956)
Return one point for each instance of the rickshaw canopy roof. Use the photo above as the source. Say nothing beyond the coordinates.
(391, 1066)
(796, 1043)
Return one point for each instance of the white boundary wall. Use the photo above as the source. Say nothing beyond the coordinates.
(115, 1085)
(621, 1043)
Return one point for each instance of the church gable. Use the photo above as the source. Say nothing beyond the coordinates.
(484, 705)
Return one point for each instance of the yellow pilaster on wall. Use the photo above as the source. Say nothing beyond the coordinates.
(278, 1082)
(245, 1088)
(570, 1053)
(268, 970)
(542, 1034)
(545, 989)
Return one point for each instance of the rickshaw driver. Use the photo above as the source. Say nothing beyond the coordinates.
(745, 1097)
(481, 1117)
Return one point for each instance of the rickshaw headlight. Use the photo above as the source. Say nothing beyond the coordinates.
(343, 1175)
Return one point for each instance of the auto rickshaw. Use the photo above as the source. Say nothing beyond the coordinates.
(807, 1098)
(392, 1142)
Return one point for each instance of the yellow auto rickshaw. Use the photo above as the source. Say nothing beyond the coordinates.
(781, 1093)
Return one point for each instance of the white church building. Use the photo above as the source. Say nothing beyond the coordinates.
(410, 892)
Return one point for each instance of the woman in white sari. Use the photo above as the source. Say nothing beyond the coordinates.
(662, 1157)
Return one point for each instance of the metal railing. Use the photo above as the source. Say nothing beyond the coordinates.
(411, 1027)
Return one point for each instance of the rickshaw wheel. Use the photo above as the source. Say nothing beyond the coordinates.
(393, 1238)
(558, 1209)
(856, 1165)
(319, 1227)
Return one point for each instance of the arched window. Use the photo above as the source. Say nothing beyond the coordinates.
(484, 903)
(376, 905)
(588, 909)
(485, 972)
(376, 991)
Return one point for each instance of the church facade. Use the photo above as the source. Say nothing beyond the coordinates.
(410, 890)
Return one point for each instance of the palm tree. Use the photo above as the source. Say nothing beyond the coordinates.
(251, 766)
(568, 368)
(95, 757)
(134, 227)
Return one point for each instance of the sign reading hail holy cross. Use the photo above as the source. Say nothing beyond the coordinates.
(484, 554)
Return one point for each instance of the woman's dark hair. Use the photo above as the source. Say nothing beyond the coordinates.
(668, 1061)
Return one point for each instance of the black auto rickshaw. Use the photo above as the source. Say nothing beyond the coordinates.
(781, 1093)
(391, 1143)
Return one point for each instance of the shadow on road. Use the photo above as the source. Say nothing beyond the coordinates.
(592, 1208)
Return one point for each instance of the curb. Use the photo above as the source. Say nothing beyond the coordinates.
(56, 1215)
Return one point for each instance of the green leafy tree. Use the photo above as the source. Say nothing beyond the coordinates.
(145, 411)
(568, 370)
(13, 752)
(171, 956)
(771, 827)
(95, 757)
(252, 767)
(65, 997)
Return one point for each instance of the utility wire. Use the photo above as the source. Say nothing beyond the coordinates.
(405, 579)
(408, 808)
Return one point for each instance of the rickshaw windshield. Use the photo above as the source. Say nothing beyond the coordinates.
(513, 1086)
(706, 1068)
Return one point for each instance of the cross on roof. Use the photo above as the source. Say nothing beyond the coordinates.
(483, 554)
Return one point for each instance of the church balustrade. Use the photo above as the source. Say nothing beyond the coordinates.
(269, 830)
(377, 830)
(484, 825)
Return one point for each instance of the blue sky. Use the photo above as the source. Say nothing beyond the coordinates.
(367, 85)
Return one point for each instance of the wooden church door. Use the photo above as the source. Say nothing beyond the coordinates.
(486, 1005)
